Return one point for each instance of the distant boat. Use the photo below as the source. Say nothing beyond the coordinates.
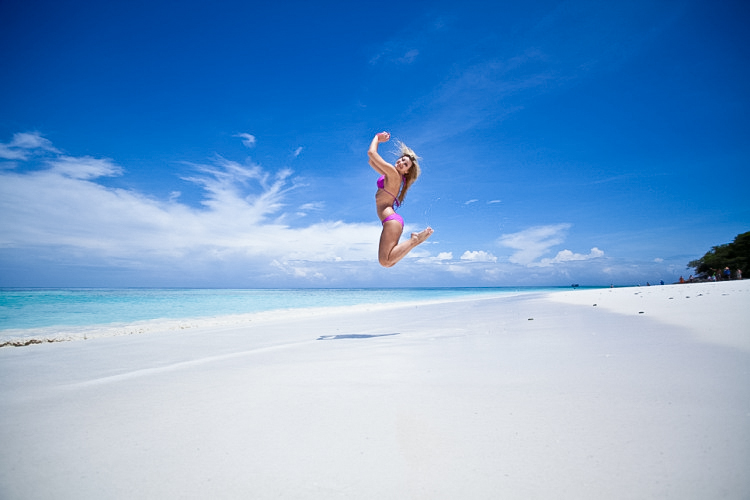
(574, 285)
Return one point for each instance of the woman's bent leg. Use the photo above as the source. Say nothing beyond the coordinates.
(391, 251)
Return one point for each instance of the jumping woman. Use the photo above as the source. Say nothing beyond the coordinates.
(395, 181)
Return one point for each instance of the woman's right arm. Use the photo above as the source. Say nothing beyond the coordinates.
(376, 161)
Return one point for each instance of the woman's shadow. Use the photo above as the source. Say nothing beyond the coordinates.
(355, 336)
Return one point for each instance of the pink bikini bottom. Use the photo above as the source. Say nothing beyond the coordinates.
(394, 216)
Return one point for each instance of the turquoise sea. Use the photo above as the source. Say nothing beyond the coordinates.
(25, 311)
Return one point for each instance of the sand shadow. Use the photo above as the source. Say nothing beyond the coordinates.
(355, 336)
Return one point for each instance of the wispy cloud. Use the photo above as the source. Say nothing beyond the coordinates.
(569, 43)
(83, 168)
(405, 47)
(532, 243)
(319, 205)
(409, 56)
(247, 139)
(568, 256)
(395, 52)
(437, 259)
(306, 208)
(25, 144)
(484, 91)
(478, 256)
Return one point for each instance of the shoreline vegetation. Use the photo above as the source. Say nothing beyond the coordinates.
(723, 262)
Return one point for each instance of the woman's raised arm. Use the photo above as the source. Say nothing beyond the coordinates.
(376, 161)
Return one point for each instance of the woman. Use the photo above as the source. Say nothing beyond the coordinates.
(393, 184)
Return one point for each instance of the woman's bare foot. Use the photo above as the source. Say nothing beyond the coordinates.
(418, 238)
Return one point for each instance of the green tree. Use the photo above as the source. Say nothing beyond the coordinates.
(735, 255)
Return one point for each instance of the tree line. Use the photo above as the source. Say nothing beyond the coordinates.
(735, 256)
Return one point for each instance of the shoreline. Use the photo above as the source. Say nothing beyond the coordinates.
(22, 337)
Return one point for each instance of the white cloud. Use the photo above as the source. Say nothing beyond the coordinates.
(247, 139)
(532, 243)
(437, 259)
(568, 256)
(304, 209)
(459, 270)
(24, 144)
(409, 56)
(478, 256)
(298, 271)
(84, 168)
(395, 52)
(313, 206)
(298, 151)
(470, 202)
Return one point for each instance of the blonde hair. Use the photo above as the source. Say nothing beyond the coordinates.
(414, 170)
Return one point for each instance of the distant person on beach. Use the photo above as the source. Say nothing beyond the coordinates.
(739, 273)
(394, 182)
(727, 273)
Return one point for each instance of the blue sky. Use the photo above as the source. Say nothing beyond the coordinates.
(223, 144)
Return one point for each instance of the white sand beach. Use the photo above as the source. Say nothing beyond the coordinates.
(629, 393)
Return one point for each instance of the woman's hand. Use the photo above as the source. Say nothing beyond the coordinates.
(383, 136)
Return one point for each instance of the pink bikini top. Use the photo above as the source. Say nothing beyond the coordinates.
(381, 185)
